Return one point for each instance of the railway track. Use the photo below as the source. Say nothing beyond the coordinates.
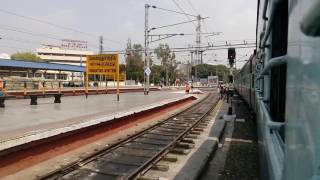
(133, 156)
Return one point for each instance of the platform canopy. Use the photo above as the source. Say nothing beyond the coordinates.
(40, 65)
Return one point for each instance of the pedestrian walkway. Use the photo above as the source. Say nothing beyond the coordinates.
(237, 156)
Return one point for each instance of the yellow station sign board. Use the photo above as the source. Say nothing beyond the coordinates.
(114, 77)
(103, 64)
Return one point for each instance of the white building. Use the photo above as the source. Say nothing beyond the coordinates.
(60, 55)
(4, 56)
(57, 54)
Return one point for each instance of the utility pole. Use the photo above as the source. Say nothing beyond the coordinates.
(198, 53)
(146, 51)
(147, 70)
(100, 52)
(167, 75)
(201, 53)
(192, 59)
(198, 40)
(100, 44)
(128, 55)
(128, 52)
(129, 47)
(192, 64)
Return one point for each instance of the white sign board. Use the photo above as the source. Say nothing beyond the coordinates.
(147, 71)
(213, 81)
(74, 44)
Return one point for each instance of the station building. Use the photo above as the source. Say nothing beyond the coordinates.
(68, 61)
(61, 55)
(17, 73)
(61, 64)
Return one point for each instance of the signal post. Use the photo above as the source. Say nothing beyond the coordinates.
(231, 58)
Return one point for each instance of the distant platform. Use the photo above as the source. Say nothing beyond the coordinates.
(19, 118)
(78, 91)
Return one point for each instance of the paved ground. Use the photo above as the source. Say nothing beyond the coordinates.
(237, 157)
(49, 163)
(18, 114)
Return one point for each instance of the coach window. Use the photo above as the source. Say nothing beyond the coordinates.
(279, 73)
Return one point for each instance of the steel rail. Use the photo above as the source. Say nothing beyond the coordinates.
(148, 163)
(163, 152)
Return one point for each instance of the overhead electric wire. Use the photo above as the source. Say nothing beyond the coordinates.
(16, 29)
(32, 33)
(168, 10)
(177, 48)
(179, 7)
(56, 25)
(221, 48)
(46, 22)
(209, 40)
(17, 48)
(184, 34)
(184, 49)
(236, 41)
(192, 7)
(188, 50)
(172, 24)
(25, 41)
(19, 40)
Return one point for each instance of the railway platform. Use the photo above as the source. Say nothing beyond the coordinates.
(20, 119)
(237, 156)
(226, 149)
(77, 91)
(190, 139)
(82, 121)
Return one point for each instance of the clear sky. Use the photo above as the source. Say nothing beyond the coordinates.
(118, 20)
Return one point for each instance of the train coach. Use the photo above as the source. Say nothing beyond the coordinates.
(244, 82)
(281, 83)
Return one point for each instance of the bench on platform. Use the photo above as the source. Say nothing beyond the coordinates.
(34, 97)
(3, 99)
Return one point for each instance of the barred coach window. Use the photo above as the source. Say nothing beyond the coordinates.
(279, 73)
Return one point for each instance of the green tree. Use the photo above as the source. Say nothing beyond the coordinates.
(26, 56)
(205, 70)
(134, 63)
(164, 53)
(157, 75)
